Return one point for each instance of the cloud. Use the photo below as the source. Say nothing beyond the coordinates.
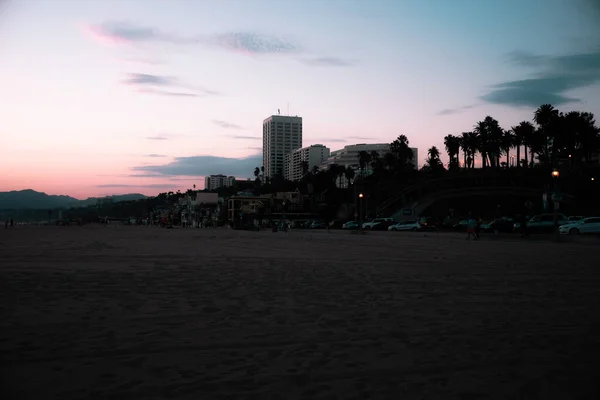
(157, 137)
(152, 186)
(204, 165)
(148, 83)
(120, 32)
(252, 43)
(326, 140)
(247, 137)
(449, 111)
(327, 62)
(155, 155)
(360, 138)
(226, 125)
(553, 77)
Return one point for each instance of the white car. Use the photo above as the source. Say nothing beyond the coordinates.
(588, 225)
(371, 224)
(411, 225)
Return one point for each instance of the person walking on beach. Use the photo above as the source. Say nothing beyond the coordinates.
(12, 223)
(471, 227)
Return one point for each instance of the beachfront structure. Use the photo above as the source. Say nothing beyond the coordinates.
(282, 134)
(349, 157)
(306, 157)
(214, 182)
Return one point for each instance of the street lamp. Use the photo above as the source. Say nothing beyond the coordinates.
(555, 199)
(360, 211)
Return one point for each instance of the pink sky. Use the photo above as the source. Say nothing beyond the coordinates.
(97, 94)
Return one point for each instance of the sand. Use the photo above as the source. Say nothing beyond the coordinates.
(116, 312)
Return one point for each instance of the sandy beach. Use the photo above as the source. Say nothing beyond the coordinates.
(117, 312)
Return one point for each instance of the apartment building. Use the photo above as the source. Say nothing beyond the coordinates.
(214, 182)
(282, 134)
(313, 156)
(349, 157)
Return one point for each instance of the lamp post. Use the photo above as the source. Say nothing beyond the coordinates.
(360, 211)
(555, 197)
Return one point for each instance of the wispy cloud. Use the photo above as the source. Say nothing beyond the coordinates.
(157, 137)
(151, 186)
(449, 111)
(155, 155)
(326, 140)
(361, 138)
(243, 42)
(246, 137)
(252, 43)
(327, 62)
(203, 165)
(226, 125)
(120, 32)
(165, 86)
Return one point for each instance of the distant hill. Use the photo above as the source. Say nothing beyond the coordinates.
(32, 200)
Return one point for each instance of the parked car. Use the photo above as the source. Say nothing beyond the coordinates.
(409, 225)
(382, 226)
(351, 225)
(589, 225)
(318, 225)
(499, 225)
(370, 224)
(461, 225)
(336, 224)
(428, 223)
(542, 223)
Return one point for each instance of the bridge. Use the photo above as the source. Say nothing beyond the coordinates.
(512, 182)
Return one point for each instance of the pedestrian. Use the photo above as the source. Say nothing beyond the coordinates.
(470, 227)
(12, 223)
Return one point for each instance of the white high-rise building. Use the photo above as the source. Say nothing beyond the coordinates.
(313, 155)
(349, 157)
(282, 134)
(214, 182)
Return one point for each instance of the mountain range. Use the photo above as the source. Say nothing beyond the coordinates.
(32, 200)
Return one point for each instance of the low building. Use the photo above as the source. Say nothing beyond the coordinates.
(214, 182)
(242, 208)
(306, 157)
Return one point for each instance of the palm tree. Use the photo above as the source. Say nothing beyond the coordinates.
(433, 162)
(452, 144)
(364, 159)
(545, 117)
(256, 172)
(523, 134)
(471, 144)
(507, 142)
(464, 145)
(349, 174)
(481, 130)
(401, 150)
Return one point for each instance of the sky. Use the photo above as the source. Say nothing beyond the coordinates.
(101, 97)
